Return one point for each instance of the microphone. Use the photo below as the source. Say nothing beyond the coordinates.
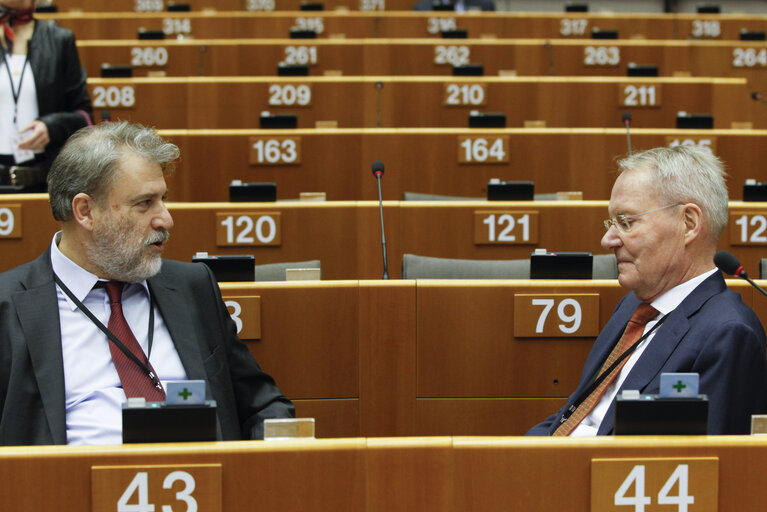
(627, 123)
(757, 97)
(729, 264)
(379, 86)
(550, 57)
(378, 170)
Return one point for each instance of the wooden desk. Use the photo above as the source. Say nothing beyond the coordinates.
(441, 474)
(373, 24)
(536, 57)
(397, 357)
(448, 161)
(345, 236)
(429, 357)
(355, 102)
(230, 5)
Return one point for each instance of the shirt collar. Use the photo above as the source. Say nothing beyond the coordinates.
(667, 302)
(79, 281)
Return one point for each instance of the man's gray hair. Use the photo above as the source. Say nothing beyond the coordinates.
(89, 160)
(687, 174)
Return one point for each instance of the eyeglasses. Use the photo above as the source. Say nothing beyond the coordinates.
(624, 222)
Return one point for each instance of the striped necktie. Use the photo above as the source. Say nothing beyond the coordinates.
(643, 314)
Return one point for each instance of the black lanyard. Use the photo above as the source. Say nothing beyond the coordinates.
(114, 339)
(598, 379)
(15, 92)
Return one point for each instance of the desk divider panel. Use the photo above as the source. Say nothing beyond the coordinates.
(383, 57)
(380, 474)
(405, 24)
(433, 160)
(375, 102)
(345, 235)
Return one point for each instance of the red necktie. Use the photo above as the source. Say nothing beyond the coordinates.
(643, 314)
(135, 381)
(15, 17)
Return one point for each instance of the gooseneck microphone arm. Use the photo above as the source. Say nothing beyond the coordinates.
(378, 170)
(627, 123)
(729, 264)
(744, 276)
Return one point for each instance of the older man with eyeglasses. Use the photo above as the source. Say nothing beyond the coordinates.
(668, 208)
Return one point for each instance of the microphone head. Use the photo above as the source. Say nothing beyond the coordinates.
(756, 96)
(378, 168)
(728, 263)
(626, 117)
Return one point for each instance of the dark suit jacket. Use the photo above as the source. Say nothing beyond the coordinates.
(31, 363)
(711, 333)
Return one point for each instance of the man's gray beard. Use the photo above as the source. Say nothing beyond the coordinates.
(114, 250)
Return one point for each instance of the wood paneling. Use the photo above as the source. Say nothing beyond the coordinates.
(425, 474)
(373, 102)
(236, 23)
(346, 236)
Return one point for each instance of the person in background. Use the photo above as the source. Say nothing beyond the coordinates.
(43, 97)
(454, 5)
(667, 209)
(63, 377)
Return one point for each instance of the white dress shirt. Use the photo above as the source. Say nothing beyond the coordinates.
(665, 304)
(94, 394)
(27, 100)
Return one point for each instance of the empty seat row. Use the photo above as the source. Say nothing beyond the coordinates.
(356, 102)
(448, 161)
(345, 236)
(207, 24)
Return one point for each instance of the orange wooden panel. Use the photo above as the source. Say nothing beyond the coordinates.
(346, 236)
(337, 161)
(37, 229)
(157, 102)
(482, 416)
(467, 348)
(333, 417)
(387, 357)
(309, 338)
(323, 231)
(227, 5)
(502, 473)
(411, 474)
(231, 22)
(234, 102)
(332, 473)
(429, 474)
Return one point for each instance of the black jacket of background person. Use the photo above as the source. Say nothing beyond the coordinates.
(62, 97)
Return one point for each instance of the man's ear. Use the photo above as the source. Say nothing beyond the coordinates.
(693, 222)
(82, 210)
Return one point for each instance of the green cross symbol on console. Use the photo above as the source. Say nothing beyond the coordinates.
(679, 386)
(185, 394)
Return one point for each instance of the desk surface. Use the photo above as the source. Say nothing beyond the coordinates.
(377, 101)
(346, 237)
(445, 474)
(435, 56)
(330, 23)
(449, 161)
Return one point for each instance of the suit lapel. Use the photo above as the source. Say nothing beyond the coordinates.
(665, 341)
(611, 333)
(174, 310)
(38, 313)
